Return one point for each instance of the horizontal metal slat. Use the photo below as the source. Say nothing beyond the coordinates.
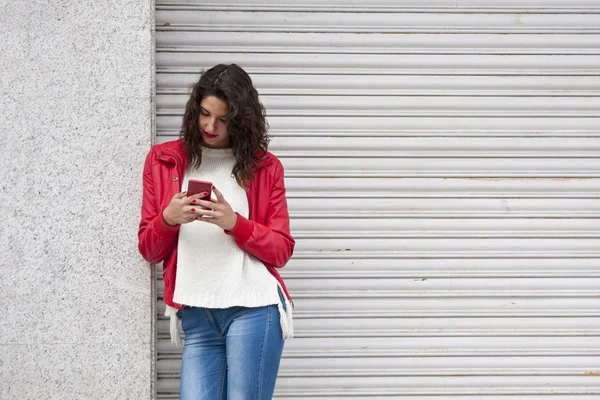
(292, 395)
(443, 188)
(442, 227)
(385, 234)
(447, 6)
(337, 396)
(400, 147)
(275, 21)
(437, 268)
(444, 363)
(448, 268)
(440, 167)
(351, 246)
(315, 208)
(402, 391)
(375, 43)
(474, 307)
(413, 254)
(375, 287)
(455, 382)
(382, 64)
(444, 294)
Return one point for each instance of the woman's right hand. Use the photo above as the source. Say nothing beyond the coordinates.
(181, 209)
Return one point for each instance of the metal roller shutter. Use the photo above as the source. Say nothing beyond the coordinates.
(443, 180)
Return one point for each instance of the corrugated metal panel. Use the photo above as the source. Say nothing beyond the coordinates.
(443, 182)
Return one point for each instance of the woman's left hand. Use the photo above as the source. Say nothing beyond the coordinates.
(217, 212)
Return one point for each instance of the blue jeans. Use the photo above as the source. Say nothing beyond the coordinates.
(231, 353)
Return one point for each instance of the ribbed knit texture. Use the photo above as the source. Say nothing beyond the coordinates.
(212, 271)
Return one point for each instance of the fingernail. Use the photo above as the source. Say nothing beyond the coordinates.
(193, 209)
(195, 217)
(214, 187)
(205, 194)
(193, 200)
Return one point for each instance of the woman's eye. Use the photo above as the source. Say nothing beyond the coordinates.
(204, 114)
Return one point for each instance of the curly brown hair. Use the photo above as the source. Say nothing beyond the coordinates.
(247, 124)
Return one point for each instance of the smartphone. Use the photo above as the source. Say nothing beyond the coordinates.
(197, 186)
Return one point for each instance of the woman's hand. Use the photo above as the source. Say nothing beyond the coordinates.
(181, 209)
(217, 212)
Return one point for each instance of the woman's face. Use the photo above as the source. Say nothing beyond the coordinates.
(213, 123)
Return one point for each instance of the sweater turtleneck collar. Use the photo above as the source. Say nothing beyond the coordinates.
(208, 152)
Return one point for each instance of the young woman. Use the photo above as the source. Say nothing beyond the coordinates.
(220, 257)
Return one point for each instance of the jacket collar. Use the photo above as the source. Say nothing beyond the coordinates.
(175, 149)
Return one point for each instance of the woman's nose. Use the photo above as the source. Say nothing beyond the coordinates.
(211, 125)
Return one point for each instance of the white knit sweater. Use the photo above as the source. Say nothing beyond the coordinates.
(212, 270)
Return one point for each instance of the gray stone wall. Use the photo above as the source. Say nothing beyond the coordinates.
(76, 81)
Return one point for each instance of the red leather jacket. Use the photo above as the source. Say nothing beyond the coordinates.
(265, 235)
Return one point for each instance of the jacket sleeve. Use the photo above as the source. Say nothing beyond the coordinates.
(155, 237)
(271, 243)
